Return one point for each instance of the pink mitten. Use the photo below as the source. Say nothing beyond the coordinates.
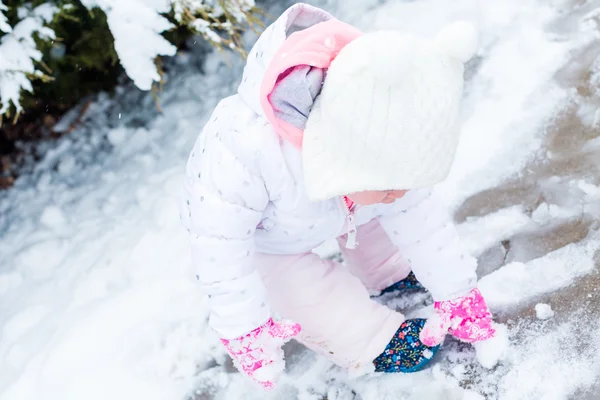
(259, 354)
(466, 318)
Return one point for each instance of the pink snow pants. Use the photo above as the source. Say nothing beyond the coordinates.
(331, 301)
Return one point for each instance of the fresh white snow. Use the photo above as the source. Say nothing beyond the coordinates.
(136, 26)
(98, 299)
(495, 350)
(4, 26)
(543, 311)
(18, 51)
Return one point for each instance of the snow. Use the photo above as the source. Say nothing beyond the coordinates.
(53, 217)
(517, 282)
(208, 28)
(550, 366)
(98, 299)
(543, 311)
(18, 52)
(547, 213)
(4, 26)
(428, 354)
(478, 234)
(490, 352)
(136, 26)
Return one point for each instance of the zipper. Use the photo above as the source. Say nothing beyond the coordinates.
(350, 206)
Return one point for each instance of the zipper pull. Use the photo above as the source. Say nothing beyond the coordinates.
(351, 242)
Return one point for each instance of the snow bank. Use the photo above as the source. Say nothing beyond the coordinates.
(551, 365)
(518, 282)
(479, 234)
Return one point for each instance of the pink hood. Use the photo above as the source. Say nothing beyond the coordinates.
(303, 35)
(316, 46)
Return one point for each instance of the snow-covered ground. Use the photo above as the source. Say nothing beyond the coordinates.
(98, 298)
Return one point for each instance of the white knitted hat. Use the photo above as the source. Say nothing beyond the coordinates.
(387, 117)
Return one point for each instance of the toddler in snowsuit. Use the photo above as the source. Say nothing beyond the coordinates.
(333, 134)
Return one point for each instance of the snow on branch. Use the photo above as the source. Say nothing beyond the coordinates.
(4, 26)
(18, 52)
(136, 26)
(218, 21)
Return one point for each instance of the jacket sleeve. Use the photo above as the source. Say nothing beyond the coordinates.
(222, 204)
(421, 227)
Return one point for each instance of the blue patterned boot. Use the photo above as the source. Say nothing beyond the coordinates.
(408, 283)
(405, 352)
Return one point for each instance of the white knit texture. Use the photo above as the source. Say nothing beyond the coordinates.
(386, 117)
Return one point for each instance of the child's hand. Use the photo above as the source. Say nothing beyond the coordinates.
(466, 318)
(259, 354)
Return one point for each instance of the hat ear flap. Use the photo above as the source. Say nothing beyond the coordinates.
(458, 40)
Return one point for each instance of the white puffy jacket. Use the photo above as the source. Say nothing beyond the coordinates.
(244, 193)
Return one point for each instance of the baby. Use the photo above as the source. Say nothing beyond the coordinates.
(334, 134)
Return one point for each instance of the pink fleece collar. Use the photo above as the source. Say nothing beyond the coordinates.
(316, 46)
